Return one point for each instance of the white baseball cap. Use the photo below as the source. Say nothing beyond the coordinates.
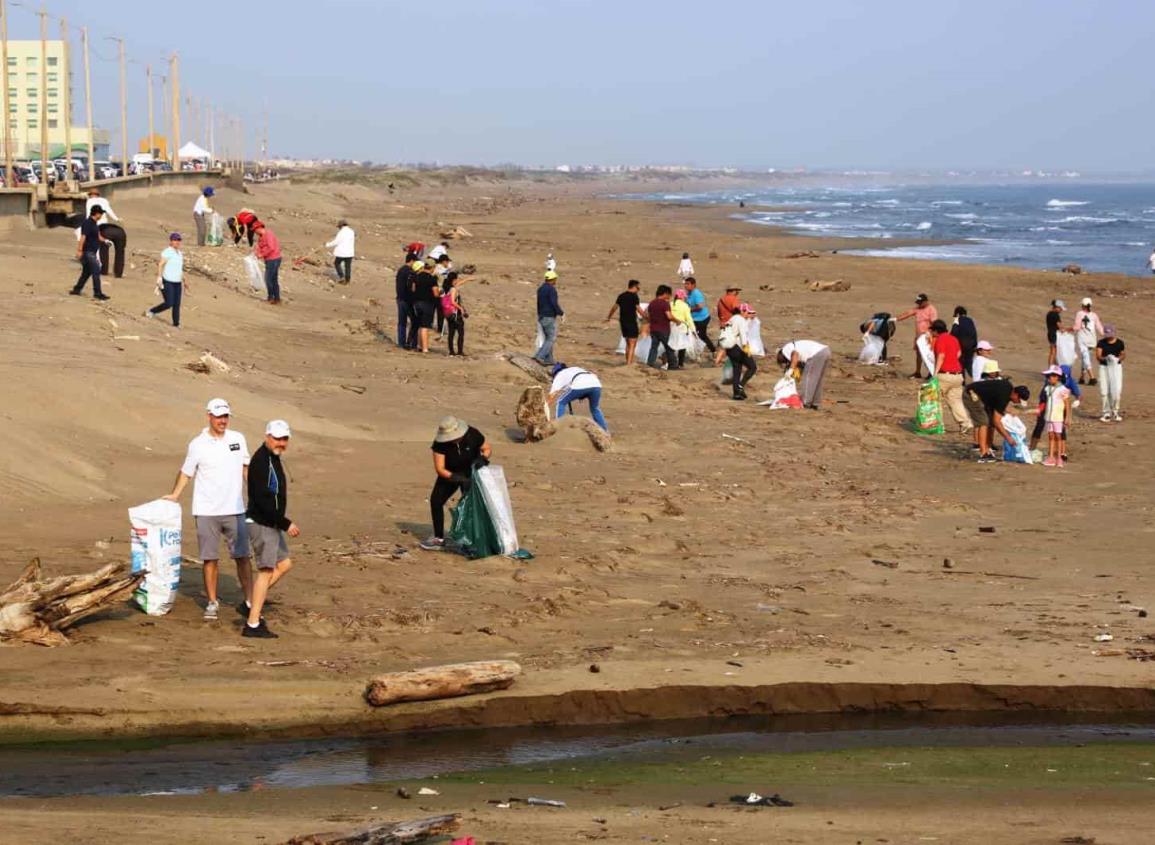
(985, 345)
(1086, 300)
(278, 429)
(218, 408)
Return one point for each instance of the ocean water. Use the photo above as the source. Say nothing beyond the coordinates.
(1102, 227)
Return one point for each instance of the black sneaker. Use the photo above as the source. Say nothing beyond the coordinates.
(261, 631)
(101, 296)
(738, 397)
(73, 292)
(243, 609)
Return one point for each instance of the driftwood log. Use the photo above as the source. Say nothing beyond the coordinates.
(388, 833)
(535, 423)
(835, 286)
(528, 365)
(36, 610)
(436, 682)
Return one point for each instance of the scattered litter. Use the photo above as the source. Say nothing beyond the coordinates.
(756, 800)
(889, 564)
(736, 440)
(768, 608)
(664, 807)
(402, 792)
(126, 337)
(544, 802)
(986, 529)
(355, 388)
(1104, 638)
(734, 663)
(425, 790)
(277, 662)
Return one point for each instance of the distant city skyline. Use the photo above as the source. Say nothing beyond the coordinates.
(1059, 85)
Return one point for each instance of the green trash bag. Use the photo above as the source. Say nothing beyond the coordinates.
(928, 417)
(471, 528)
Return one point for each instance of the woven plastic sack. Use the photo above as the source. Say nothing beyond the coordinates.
(156, 535)
(928, 415)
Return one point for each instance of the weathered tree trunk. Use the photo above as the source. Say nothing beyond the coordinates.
(35, 611)
(442, 682)
(527, 364)
(389, 833)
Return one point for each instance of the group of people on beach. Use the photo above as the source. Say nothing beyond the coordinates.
(429, 300)
(976, 392)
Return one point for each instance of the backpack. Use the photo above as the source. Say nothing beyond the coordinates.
(448, 306)
(728, 337)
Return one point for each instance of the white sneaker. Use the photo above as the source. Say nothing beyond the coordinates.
(1118, 417)
(433, 544)
(148, 315)
(1105, 418)
(211, 610)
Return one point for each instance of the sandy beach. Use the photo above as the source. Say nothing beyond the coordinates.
(834, 555)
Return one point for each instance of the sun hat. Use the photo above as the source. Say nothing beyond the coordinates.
(984, 345)
(991, 366)
(1086, 300)
(218, 408)
(550, 276)
(450, 429)
(278, 429)
(1053, 371)
(733, 289)
(1058, 303)
(1109, 330)
(430, 262)
(175, 236)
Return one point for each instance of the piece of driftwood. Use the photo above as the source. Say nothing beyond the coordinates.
(534, 421)
(436, 682)
(37, 610)
(835, 286)
(528, 365)
(387, 833)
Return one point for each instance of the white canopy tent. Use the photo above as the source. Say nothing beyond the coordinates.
(191, 151)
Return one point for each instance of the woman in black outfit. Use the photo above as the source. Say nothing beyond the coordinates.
(456, 448)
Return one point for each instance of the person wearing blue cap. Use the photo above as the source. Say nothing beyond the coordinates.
(201, 213)
(170, 278)
(571, 384)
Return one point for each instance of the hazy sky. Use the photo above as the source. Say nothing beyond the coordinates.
(826, 83)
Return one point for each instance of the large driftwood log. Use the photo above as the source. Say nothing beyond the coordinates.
(388, 833)
(534, 421)
(450, 681)
(36, 610)
(528, 365)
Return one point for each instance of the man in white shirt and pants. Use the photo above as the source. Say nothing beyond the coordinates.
(218, 461)
(1088, 327)
(344, 248)
(814, 358)
(202, 211)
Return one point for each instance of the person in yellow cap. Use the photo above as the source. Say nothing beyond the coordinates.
(549, 311)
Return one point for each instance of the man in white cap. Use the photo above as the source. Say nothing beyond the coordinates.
(218, 463)
(1088, 327)
(1054, 326)
(268, 495)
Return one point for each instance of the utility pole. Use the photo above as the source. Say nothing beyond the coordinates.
(212, 136)
(174, 76)
(151, 141)
(8, 180)
(123, 110)
(43, 94)
(88, 101)
(66, 100)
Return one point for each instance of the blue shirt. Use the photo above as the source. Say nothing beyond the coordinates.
(547, 304)
(697, 302)
(173, 265)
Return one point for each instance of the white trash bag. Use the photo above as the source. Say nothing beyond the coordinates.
(926, 351)
(1065, 352)
(872, 346)
(491, 481)
(156, 529)
(754, 330)
(785, 394)
(216, 233)
(256, 273)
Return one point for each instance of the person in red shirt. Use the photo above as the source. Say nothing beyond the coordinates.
(728, 305)
(268, 249)
(658, 313)
(948, 370)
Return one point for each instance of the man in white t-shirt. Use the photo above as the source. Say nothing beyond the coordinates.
(202, 211)
(814, 357)
(1088, 327)
(218, 462)
(571, 384)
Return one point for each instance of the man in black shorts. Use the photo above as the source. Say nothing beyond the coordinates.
(986, 401)
(1054, 326)
(628, 306)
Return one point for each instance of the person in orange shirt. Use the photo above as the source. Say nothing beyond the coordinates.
(728, 305)
(924, 314)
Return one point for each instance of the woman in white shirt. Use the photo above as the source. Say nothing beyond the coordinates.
(571, 384)
(813, 358)
(344, 248)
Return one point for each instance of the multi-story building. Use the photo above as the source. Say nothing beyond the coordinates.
(34, 101)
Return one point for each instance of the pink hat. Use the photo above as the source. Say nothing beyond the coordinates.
(746, 308)
(984, 345)
(679, 294)
(1053, 371)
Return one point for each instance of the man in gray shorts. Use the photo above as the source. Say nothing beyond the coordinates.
(268, 525)
(218, 463)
